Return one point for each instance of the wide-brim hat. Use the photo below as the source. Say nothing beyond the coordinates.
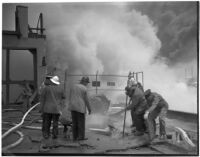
(55, 79)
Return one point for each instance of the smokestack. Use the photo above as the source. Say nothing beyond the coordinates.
(21, 16)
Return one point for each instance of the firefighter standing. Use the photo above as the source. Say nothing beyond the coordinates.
(78, 102)
(50, 98)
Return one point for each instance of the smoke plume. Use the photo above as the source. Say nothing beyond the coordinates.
(115, 38)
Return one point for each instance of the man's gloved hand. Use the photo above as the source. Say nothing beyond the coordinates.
(146, 114)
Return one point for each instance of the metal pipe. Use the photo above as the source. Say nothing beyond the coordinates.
(125, 110)
(125, 115)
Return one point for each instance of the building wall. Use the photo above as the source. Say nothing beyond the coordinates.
(13, 42)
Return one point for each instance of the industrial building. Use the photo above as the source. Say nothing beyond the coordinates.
(23, 40)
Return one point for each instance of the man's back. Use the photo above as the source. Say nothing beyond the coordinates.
(138, 100)
(156, 99)
(78, 94)
(50, 99)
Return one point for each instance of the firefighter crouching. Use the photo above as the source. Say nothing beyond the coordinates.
(158, 107)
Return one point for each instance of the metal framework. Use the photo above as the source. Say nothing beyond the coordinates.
(8, 81)
(135, 74)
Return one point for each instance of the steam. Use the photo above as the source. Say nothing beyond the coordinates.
(87, 37)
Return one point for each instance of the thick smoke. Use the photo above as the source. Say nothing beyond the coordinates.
(178, 28)
(86, 38)
(115, 38)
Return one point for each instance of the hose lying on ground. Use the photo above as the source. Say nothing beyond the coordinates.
(185, 136)
(15, 143)
(28, 126)
(18, 125)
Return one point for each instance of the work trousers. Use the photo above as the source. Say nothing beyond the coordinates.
(151, 123)
(132, 117)
(138, 119)
(162, 116)
(46, 125)
(78, 125)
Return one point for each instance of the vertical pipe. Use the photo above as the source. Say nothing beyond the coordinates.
(143, 80)
(41, 23)
(125, 109)
(35, 68)
(7, 75)
(125, 115)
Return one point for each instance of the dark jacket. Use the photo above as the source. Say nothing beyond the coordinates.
(50, 99)
(139, 104)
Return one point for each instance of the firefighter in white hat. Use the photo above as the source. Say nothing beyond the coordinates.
(51, 96)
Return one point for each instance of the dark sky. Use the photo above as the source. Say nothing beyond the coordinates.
(177, 28)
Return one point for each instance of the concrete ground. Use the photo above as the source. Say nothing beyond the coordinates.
(97, 143)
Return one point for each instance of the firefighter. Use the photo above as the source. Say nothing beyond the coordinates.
(157, 107)
(50, 99)
(78, 102)
(131, 83)
(137, 106)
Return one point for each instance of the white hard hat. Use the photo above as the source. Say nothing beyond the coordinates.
(55, 79)
(132, 81)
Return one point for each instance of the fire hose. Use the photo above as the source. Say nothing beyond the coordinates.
(18, 125)
(4, 149)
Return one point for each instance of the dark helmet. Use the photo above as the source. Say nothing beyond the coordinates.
(147, 92)
(85, 80)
